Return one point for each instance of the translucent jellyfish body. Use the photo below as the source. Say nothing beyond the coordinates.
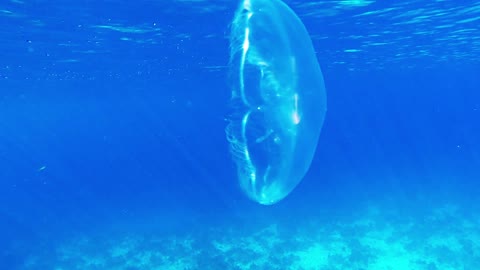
(278, 99)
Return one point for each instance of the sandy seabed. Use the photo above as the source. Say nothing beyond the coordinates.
(442, 239)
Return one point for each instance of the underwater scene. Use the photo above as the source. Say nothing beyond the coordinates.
(239, 134)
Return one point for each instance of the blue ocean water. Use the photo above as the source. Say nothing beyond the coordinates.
(113, 152)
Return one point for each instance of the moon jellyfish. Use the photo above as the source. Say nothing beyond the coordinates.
(278, 99)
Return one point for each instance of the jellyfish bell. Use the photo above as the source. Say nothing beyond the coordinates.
(278, 99)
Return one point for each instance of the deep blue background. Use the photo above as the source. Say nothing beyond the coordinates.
(102, 126)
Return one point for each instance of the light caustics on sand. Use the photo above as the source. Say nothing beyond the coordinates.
(278, 99)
